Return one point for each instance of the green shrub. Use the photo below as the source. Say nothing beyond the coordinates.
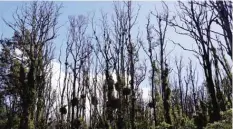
(225, 123)
(219, 125)
(163, 125)
(227, 115)
(188, 124)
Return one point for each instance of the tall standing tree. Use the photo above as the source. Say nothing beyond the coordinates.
(35, 27)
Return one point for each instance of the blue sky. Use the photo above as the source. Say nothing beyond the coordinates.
(77, 8)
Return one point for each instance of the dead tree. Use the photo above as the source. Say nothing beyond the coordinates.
(150, 52)
(162, 20)
(223, 12)
(104, 48)
(197, 25)
(78, 44)
(187, 79)
(119, 20)
(194, 80)
(131, 50)
(179, 67)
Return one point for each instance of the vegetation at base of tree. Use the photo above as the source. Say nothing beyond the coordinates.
(224, 123)
(103, 67)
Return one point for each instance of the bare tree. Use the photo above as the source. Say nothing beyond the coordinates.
(162, 20)
(196, 24)
(78, 46)
(154, 69)
(179, 67)
(224, 17)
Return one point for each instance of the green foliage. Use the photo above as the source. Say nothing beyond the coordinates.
(181, 122)
(225, 123)
(188, 124)
(176, 117)
(31, 124)
(83, 123)
(163, 125)
(227, 115)
(159, 108)
(13, 122)
(3, 116)
(200, 120)
(219, 125)
(25, 90)
(143, 124)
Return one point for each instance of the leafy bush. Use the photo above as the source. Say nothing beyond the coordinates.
(163, 125)
(225, 123)
(219, 125)
(188, 124)
(227, 115)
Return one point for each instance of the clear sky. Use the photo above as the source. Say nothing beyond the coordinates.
(76, 8)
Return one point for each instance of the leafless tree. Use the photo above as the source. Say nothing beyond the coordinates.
(79, 46)
(162, 21)
(197, 21)
(179, 67)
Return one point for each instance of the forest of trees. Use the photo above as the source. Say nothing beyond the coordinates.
(104, 70)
